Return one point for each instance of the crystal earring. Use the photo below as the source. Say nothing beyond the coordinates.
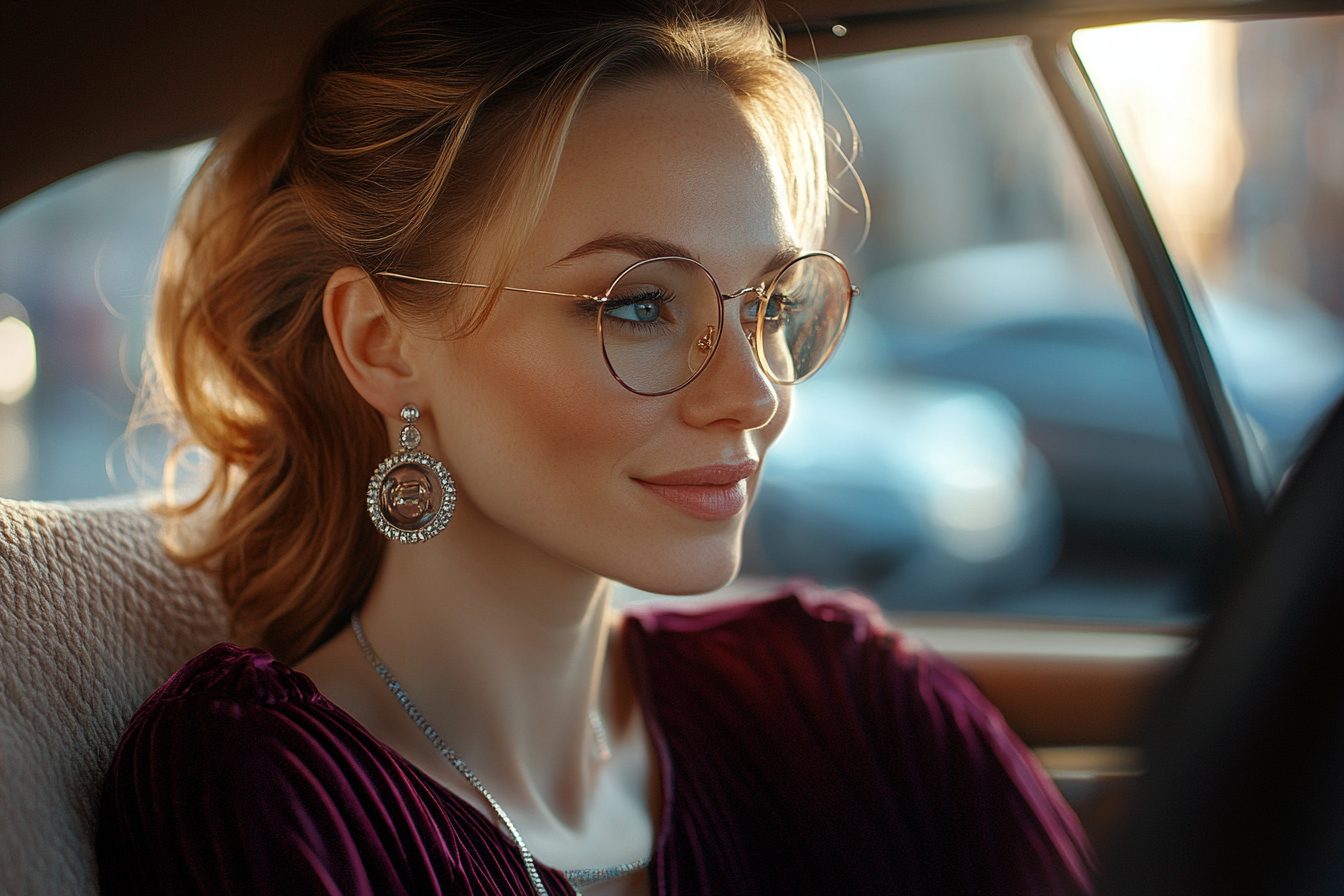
(411, 496)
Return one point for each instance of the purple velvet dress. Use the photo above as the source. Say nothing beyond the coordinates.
(805, 748)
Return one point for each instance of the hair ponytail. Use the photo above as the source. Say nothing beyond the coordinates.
(243, 357)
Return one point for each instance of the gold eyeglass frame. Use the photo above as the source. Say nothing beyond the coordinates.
(715, 334)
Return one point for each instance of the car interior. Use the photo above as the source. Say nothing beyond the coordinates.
(1120, 513)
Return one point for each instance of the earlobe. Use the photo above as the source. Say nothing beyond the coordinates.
(368, 340)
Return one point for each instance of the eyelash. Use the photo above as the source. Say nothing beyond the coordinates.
(587, 309)
(652, 296)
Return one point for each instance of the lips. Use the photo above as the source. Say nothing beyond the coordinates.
(712, 493)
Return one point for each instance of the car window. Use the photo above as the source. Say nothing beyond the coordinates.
(77, 261)
(996, 433)
(1235, 131)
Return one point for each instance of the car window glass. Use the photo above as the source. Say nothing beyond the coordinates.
(1235, 131)
(77, 261)
(996, 432)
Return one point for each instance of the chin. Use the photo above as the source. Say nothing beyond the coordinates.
(686, 572)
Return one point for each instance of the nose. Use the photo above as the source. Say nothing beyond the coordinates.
(732, 390)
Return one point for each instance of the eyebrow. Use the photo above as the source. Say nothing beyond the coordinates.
(639, 246)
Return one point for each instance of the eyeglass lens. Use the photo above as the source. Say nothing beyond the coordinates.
(663, 319)
(801, 321)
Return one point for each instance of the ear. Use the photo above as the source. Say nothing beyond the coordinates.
(370, 343)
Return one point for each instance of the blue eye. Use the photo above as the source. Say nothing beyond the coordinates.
(644, 311)
(645, 307)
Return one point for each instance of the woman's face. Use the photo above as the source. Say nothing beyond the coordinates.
(546, 446)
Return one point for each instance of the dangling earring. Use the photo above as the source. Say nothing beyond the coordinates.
(411, 496)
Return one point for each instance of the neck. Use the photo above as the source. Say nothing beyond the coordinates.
(503, 650)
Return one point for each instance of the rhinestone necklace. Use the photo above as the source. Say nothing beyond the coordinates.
(576, 877)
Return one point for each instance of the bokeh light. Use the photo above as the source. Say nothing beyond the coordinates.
(18, 360)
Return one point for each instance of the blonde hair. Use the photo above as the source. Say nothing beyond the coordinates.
(419, 126)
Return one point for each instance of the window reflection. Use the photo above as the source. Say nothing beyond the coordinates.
(1236, 133)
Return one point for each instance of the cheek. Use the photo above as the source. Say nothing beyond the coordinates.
(542, 442)
(533, 424)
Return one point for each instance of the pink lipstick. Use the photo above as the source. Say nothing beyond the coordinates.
(713, 493)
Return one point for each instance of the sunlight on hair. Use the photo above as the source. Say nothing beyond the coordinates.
(18, 360)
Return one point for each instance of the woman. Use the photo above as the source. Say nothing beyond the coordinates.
(561, 263)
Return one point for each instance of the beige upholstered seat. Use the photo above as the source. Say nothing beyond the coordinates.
(93, 617)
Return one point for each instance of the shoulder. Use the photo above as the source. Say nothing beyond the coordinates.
(225, 698)
(822, 657)
(237, 771)
(236, 704)
(233, 674)
(233, 722)
(233, 711)
(798, 606)
(793, 698)
(801, 629)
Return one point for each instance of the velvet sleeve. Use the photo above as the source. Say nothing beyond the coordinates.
(237, 778)
(210, 794)
(996, 822)
(817, 751)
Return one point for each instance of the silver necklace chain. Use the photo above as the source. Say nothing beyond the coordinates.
(576, 877)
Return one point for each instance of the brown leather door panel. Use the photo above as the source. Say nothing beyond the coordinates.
(1077, 694)
(1058, 684)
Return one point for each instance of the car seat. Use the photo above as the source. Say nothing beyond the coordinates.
(93, 617)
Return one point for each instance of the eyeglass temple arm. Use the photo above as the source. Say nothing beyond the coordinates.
(540, 292)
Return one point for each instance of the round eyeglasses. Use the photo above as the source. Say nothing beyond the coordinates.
(660, 321)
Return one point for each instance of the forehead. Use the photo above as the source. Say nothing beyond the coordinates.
(676, 159)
